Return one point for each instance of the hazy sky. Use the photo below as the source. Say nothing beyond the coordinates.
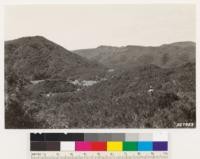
(87, 26)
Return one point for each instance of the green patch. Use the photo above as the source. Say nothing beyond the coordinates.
(130, 146)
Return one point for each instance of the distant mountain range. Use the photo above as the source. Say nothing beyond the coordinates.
(48, 86)
(165, 56)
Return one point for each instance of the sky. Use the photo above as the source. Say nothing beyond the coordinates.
(88, 26)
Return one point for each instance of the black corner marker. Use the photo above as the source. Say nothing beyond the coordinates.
(37, 137)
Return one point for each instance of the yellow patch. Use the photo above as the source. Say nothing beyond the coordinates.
(114, 146)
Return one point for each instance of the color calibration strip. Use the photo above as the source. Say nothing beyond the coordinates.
(100, 142)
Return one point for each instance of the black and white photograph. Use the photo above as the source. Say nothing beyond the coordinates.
(94, 66)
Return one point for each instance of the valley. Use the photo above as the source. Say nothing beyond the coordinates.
(47, 86)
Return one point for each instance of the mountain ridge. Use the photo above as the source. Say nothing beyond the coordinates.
(38, 58)
(166, 55)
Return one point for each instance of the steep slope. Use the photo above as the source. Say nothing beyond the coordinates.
(166, 56)
(148, 96)
(37, 58)
(143, 97)
(36, 68)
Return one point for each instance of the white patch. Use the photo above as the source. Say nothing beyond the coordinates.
(150, 90)
(111, 70)
(36, 81)
(88, 83)
(48, 95)
(84, 83)
(75, 82)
